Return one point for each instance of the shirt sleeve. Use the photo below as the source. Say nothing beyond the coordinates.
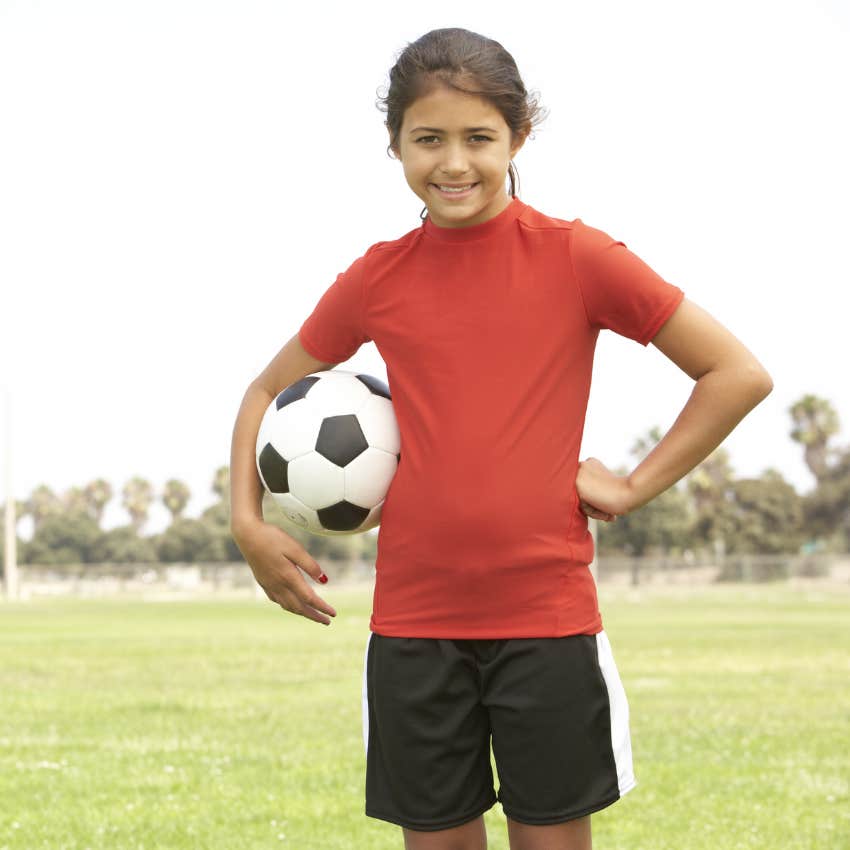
(619, 290)
(335, 329)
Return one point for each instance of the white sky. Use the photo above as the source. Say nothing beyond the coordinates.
(180, 181)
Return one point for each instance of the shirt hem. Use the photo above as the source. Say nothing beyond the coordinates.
(591, 628)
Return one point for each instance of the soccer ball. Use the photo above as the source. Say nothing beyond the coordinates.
(327, 450)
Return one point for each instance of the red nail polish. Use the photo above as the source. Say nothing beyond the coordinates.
(323, 578)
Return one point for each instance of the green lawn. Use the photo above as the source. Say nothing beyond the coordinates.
(229, 724)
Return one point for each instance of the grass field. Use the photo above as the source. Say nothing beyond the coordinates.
(228, 724)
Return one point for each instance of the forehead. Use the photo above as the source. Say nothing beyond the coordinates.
(450, 109)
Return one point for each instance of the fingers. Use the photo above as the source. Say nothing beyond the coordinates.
(595, 513)
(299, 598)
(315, 608)
(310, 566)
(279, 563)
(293, 553)
(312, 607)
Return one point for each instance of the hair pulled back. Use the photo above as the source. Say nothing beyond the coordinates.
(470, 63)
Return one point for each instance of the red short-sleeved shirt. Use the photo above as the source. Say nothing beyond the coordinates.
(488, 334)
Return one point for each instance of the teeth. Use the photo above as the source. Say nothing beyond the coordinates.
(455, 188)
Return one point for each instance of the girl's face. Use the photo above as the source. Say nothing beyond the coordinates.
(455, 149)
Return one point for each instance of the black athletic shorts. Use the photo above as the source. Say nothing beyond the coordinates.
(555, 709)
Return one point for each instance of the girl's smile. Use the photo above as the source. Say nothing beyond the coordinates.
(454, 193)
(455, 149)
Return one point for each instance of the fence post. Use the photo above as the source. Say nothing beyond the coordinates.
(719, 544)
(10, 568)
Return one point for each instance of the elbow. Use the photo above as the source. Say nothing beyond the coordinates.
(758, 382)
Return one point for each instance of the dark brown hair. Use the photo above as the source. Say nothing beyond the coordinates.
(467, 62)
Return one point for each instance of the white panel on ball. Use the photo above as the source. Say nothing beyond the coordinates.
(368, 476)
(293, 431)
(296, 511)
(379, 425)
(318, 482)
(336, 394)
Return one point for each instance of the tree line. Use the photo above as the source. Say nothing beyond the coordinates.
(709, 509)
(67, 528)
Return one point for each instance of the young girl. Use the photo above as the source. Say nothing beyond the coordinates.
(485, 621)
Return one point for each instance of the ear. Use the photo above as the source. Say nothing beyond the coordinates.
(518, 142)
(395, 150)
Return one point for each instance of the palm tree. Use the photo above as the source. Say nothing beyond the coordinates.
(645, 444)
(137, 498)
(710, 487)
(75, 502)
(221, 483)
(98, 494)
(42, 503)
(709, 482)
(815, 421)
(175, 497)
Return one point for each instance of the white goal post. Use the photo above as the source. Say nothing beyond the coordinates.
(10, 570)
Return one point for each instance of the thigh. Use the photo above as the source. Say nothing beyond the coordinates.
(560, 728)
(427, 735)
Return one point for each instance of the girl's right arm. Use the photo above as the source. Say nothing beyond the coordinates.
(273, 555)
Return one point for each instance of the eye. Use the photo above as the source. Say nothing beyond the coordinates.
(429, 140)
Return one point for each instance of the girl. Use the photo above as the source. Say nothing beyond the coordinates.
(485, 622)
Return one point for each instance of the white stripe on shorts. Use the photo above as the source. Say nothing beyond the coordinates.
(366, 698)
(620, 741)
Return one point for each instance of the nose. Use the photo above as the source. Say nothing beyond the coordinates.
(455, 161)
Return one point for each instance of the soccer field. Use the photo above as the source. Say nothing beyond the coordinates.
(229, 724)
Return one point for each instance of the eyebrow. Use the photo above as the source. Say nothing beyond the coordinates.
(467, 130)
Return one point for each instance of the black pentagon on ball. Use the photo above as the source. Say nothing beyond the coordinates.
(376, 386)
(274, 469)
(343, 516)
(295, 391)
(341, 439)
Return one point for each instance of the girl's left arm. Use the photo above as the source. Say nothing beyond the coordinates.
(730, 382)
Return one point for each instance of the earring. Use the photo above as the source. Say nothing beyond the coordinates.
(424, 214)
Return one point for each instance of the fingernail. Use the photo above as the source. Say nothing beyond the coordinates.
(323, 578)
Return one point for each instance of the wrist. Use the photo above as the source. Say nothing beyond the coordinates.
(241, 524)
(636, 495)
